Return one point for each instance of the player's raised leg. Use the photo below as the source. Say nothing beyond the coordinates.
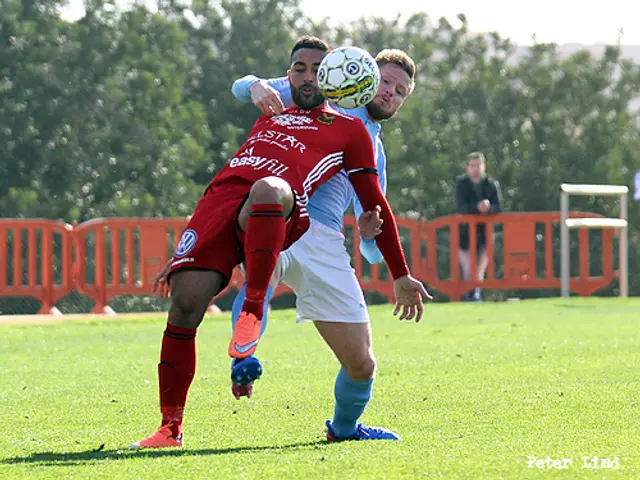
(245, 371)
(192, 291)
(351, 343)
(263, 219)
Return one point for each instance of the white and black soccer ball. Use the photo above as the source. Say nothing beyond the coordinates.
(349, 77)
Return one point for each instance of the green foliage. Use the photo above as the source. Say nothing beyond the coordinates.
(95, 118)
(130, 113)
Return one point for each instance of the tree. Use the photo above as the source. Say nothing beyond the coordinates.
(102, 127)
(130, 113)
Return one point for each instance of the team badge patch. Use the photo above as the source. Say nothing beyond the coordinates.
(187, 242)
(326, 118)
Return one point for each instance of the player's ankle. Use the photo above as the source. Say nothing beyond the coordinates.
(254, 308)
(176, 429)
(343, 429)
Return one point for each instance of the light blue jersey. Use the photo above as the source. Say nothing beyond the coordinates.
(332, 199)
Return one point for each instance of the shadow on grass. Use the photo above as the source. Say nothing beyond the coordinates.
(89, 456)
(581, 307)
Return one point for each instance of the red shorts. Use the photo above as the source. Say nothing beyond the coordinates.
(213, 239)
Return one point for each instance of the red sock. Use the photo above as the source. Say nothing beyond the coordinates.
(266, 229)
(175, 372)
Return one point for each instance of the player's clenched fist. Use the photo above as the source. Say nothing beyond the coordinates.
(370, 223)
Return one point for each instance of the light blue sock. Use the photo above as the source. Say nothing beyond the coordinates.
(239, 301)
(351, 399)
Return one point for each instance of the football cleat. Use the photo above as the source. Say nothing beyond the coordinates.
(163, 438)
(241, 390)
(246, 336)
(363, 432)
(246, 370)
(243, 373)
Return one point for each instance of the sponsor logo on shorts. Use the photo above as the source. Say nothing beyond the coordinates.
(182, 260)
(279, 139)
(187, 242)
(248, 159)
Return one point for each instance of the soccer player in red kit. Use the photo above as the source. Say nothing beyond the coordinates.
(254, 208)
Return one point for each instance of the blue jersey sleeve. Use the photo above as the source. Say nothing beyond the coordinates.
(241, 88)
(369, 248)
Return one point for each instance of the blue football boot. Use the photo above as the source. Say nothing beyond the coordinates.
(243, 373)
(363, 432)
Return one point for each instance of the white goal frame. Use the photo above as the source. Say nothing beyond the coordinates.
(621, 224)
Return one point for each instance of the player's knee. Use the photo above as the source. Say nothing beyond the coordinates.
(183, 312)
(191, 293)
(363, 369)
(272, 190)
(178, 316)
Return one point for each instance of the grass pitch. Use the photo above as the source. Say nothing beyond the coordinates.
(476, 391)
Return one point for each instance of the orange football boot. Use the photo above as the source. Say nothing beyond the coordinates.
(163, 438)
(246, 336)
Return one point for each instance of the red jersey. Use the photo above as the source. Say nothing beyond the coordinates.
(306, 148)
(303, 147)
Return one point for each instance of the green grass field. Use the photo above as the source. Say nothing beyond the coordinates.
(474, 390)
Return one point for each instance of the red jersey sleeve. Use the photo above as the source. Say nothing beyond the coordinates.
(358, 153)
(359, 162)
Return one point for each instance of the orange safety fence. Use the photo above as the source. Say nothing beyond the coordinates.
(36, 260)
(105, 258)
(376, 278)
(127, 254)
(121, 256)
(529, 257)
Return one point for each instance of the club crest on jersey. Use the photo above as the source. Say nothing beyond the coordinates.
(295, 122)
(186, 243)
(326, 118)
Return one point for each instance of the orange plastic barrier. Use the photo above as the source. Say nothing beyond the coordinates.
(104, 258)
(414, 239)
(35, 260)
(121, 256)
(523, 235)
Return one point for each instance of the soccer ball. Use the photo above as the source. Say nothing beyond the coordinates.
(349, 77)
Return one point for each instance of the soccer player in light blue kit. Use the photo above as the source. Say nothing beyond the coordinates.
(317, 267)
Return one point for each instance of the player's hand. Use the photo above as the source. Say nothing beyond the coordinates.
(160, 284)
(266, 98)
(484, 205)
(370, 223)
(409, 293)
